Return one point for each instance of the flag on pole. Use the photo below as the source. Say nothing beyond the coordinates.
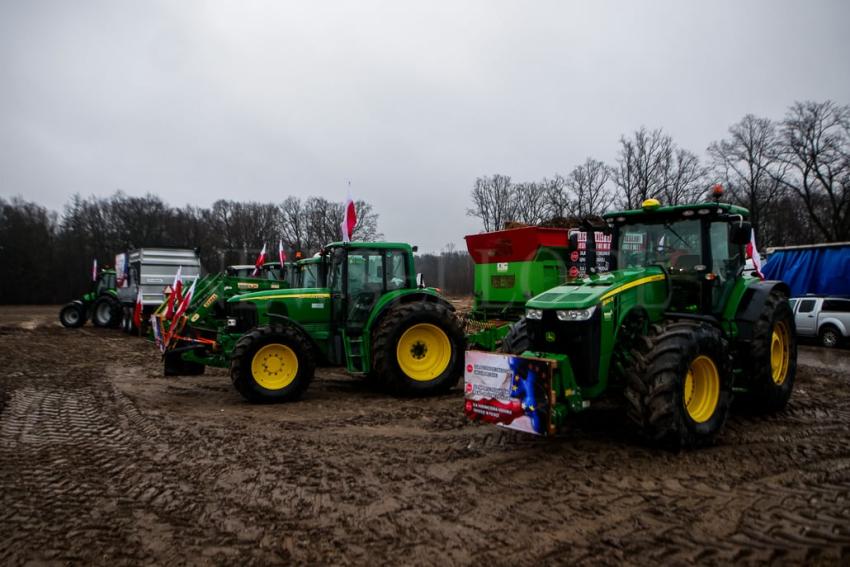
(184, 304)
(349, 219)
(752, 252)
(176, 288)
(280, 253)
(261, 259)
(94, 270)
(137, 310)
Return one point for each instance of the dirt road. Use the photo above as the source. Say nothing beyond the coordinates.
(104, 461)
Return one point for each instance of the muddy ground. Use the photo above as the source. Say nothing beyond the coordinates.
(104, 461)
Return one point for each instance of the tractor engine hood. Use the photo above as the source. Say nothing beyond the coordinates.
(288, 293)
(583, 293)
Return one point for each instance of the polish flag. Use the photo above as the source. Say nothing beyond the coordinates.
(280, 253)
(137, 311)
(752, 252)
(94, 270)
(176, 289)
(184, 304)
(349, 219)
(261, 259)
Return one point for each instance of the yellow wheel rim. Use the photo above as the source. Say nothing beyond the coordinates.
(423, 352)
(274, 366)
(779, 353)
(702, 389)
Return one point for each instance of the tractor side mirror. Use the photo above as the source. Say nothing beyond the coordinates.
(420, 280)
(741, 233)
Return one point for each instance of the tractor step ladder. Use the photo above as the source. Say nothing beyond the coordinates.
(354, 354)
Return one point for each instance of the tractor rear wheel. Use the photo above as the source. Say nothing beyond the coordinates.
(418, 349)
(271, 364)
(106, 312)
(72, 315)
(772, 358)
(517, 340)
(682, 397)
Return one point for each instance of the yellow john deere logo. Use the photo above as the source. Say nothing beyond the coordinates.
(550, 336)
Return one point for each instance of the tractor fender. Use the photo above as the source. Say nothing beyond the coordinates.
(752, 304)
(418, 295)
(284, 320)
(834, 322)
(75, 302)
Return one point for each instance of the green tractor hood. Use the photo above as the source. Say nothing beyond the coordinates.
(586, 292)
(305, 293)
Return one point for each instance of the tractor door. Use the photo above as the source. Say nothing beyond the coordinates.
(727, 263)
(366, 285)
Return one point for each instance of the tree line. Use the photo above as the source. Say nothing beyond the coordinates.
(46, 257)
(793, 174)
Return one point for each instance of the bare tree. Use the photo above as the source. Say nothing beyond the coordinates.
(750, 165)
(589, 188)
(816, 146)
(642, 165)
(529, 202)
(683, 178)
(493, 201)
(558, 201)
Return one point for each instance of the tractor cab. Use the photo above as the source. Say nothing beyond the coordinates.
(361, 274)
(310, 272)
(700, 249)
(105, 282)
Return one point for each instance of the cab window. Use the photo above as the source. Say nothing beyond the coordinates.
(396, 269)
(807, 306)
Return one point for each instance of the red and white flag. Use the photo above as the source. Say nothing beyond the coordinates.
(280, 253)
(261, 259)
(752, 252)
(176, 290)
(94, 270)
(349, 219)
(184, 304)
(137, 310)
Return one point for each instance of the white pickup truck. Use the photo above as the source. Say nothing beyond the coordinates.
(827, 318)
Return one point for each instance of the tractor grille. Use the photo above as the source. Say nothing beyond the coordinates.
(578, 340)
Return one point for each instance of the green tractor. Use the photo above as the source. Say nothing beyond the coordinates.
(675, 328)
(359, 306)
(100, 304)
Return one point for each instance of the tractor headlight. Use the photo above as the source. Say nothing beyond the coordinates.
(536, 314)
(576, 314)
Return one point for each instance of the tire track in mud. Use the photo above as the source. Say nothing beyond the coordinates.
(104, 461)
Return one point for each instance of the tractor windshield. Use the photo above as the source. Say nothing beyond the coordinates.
(105, 283)
(675, 245)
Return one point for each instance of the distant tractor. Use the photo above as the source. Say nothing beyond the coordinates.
(100, 304)
(676, 329)
(363, 310)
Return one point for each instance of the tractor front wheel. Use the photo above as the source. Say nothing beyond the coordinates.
(72, 315)
(517, 340)
(682, 397)
(418, 349)
(772, 358)
(106, 312)
(271, 364)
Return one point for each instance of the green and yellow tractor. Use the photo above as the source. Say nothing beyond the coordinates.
(364, 311)
(100, 304)
(675, 329)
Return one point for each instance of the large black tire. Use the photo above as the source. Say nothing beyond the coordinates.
(174, 365)
(517, 340)
(680, 385)
(106, 312)
(769, 381)
(72, 315)
(283, 371)
(432, 354)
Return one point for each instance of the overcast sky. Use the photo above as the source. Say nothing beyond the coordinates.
(249, 100)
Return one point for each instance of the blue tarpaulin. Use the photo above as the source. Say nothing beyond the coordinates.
(823, 270)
